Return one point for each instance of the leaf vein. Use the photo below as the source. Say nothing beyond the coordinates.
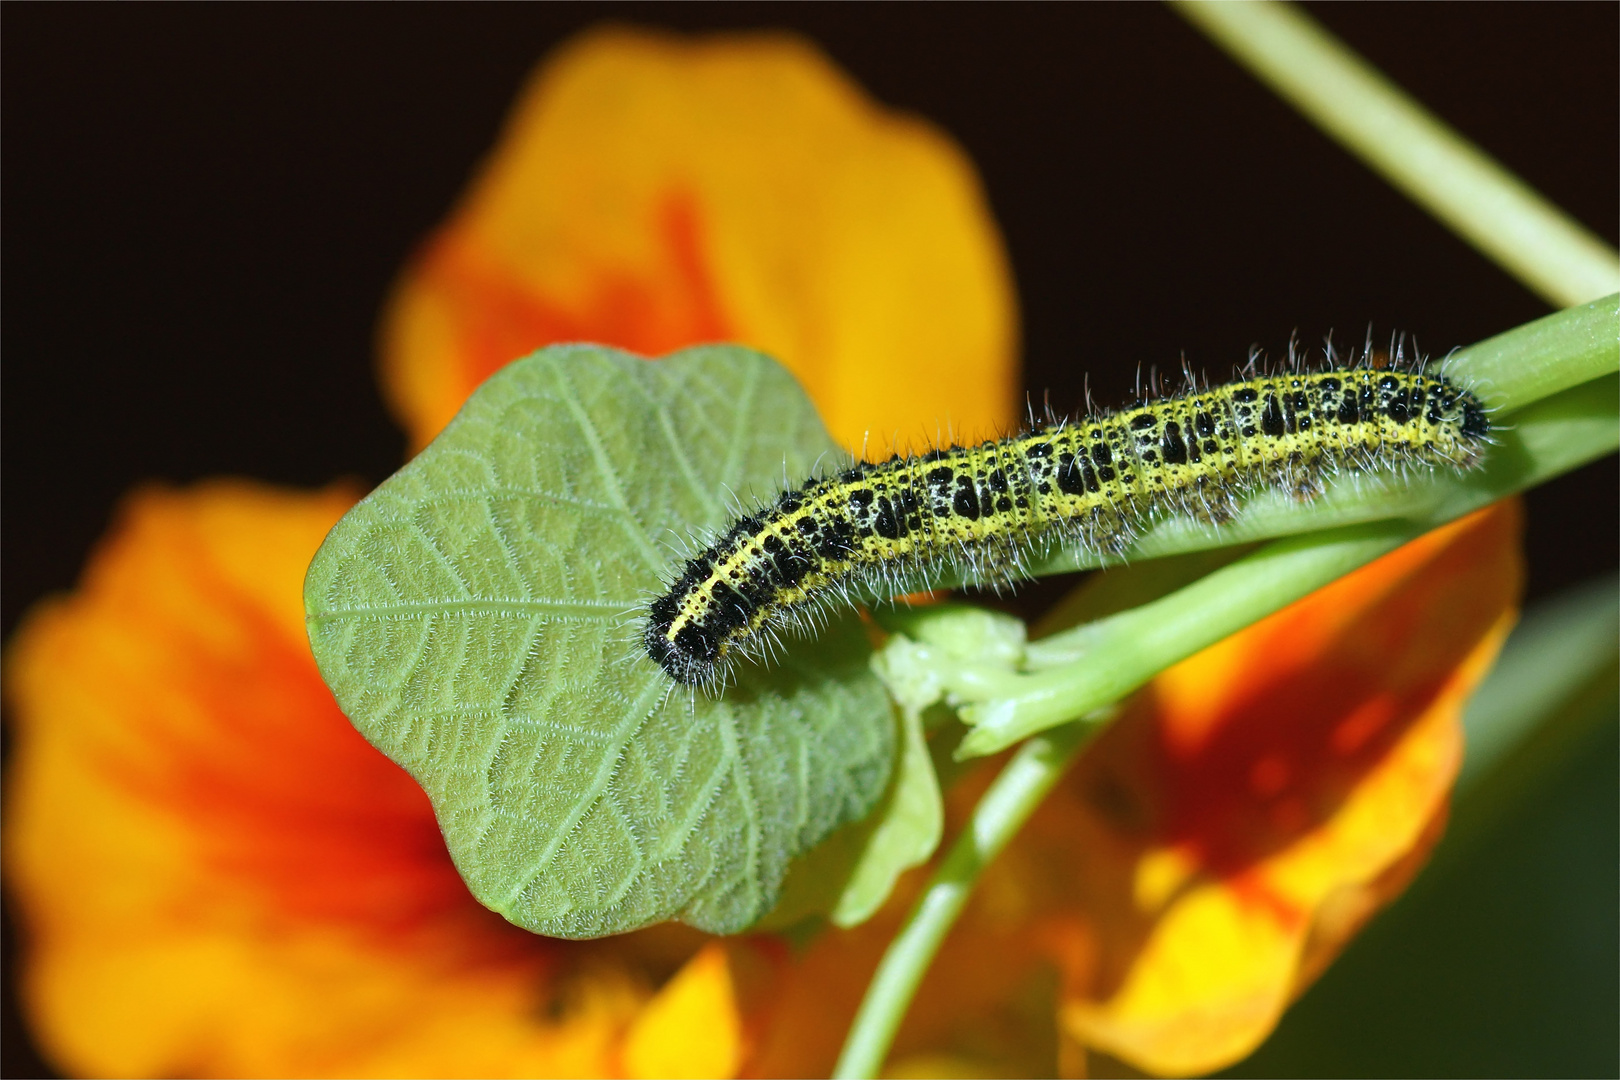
(635, 719)
(610, 475)
(589, 610)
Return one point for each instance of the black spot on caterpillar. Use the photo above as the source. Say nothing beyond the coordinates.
(1095, 482)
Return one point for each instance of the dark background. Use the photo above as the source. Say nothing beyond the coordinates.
(204, 207)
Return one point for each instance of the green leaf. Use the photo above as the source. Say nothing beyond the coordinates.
(478, 618)
(847, 878)
(904, 835)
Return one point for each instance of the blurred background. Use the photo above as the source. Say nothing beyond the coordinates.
(206, 206)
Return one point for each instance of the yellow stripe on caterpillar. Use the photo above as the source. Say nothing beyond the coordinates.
(1095, 482)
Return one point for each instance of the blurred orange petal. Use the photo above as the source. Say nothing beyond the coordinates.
(217, 875)
(692, 1027)
(1221, 842)
(704, 1021)
(653, 192)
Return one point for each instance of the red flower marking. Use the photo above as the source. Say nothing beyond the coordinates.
(289, 807)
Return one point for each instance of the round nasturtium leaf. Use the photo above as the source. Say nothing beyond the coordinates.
(478, 619)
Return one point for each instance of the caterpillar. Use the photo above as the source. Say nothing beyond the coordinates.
(1097, 482)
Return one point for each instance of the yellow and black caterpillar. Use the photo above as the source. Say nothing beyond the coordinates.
(1095, 482)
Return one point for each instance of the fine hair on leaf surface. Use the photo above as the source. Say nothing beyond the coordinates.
(475, 617)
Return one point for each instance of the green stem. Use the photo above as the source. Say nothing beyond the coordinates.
(1032, 772)
(1121, 653)
(1541, 358)
(1556, 427)
(1555, 377)
(1096, 664)
(1499, 214)
(1559, 648)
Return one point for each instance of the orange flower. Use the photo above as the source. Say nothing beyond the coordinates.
(653, 193)
(218, 875)
(1226, 837)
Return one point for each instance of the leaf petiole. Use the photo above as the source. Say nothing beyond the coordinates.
(1017, 791)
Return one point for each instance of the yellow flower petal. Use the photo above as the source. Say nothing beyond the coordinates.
(692, 1027)
(1219, 844)
(653, 192)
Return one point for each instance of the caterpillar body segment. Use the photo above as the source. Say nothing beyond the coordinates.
(1095, 482)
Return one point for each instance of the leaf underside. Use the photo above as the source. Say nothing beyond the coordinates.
(478, 618)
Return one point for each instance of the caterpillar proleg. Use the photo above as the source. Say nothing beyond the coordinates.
(1096, 482)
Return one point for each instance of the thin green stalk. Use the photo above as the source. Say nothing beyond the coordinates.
(1485, 204)
(1554, 382)
(1547, 700)
(1032, 772)
(1561, 647)
(1095, 664)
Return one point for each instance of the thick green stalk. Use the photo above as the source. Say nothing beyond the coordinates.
(1540, 358)
(1499, 214)
(1093, 665)
(1547, 381)
(1117, 655)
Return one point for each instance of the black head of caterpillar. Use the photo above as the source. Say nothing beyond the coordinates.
(1095, 482)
